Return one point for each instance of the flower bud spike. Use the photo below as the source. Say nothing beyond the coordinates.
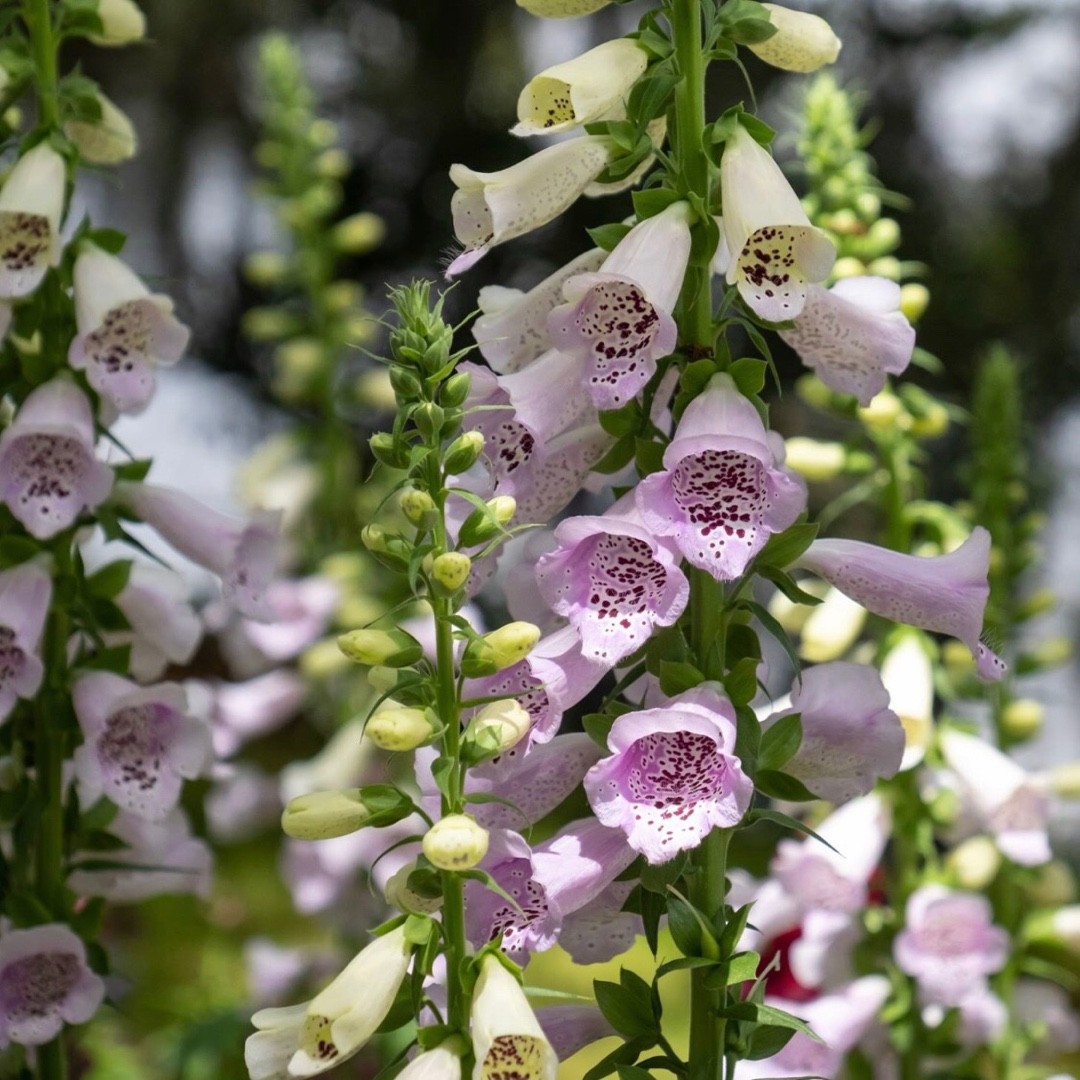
(456, 842)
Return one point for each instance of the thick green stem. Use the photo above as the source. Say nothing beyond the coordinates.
(43, 44)
(707, 1030)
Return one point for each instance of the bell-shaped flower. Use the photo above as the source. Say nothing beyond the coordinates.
(775, 251)
(571, 1028)
(802, 42)
(949, 943)
(491, 208)
(108, 140)
(618, 321)
(722, 491)
(45, 983)
(507, 1038)
(140, 744)
(512, 329)
(309, 1039)
(945, 593)
(442, 1063)
(242, 711)
(31, 206)
(1004, 799)
(164, 627)
(48, 472)
(562, 9)
(908, 676)
(613, 580)
(25, 595)
(853, 335)
(244, 554)
(562, 470)
(591, 87)
(673, 776)
(124, 330)
(850, 738)
(122, 22)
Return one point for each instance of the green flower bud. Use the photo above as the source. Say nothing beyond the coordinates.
(388, 450)
(387, 648)
(268, 324)
(333, 164)
(1065, 780)
(1037, 603)
(499, 649)
(323, 133)
(1051, 653)
(868, 205)
(429, 418)
(340, 296)
(887, 267)
(885, 413)
(503, 508)
(417, 506)
(497, 727)
(463, 452)
(1059, 928)
(406, 385)
(848, 267)
(108, 140)
(814, 459)
(323, 660)
(373, 387)
(398, 727)
(1022, 718)
(374, 538)
(813, 391)
(1051, 884)
(974, 863)
(456, 389)
(402, 895)
(456, 842)
(360, 233)
(323, 815)
(451, 570)
(266, 268)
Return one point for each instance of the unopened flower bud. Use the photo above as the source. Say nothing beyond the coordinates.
(456, 842)
(881, 238)
(374, 388)
(388, 451)
(1051, 653)
(849, 267)
(463, 452)
(887, 267)
(1051, 884)
(1037, 603)
(456, 389)
(868, 205)
(374, 538)
(1064, 780)
(399, 894)
(932, 422)
(503, 508)
(382, 679)
(333, 164)
(1022, 718)
(813, 391)
(268, 324)
(266, 268)
(1056, 927)
(499, 649)
(108, 140)
(389, 648)
(417, 506)
(406, 385)
(802, 42)
(429, 417)
(914, 299)
(322, 815)
(814, 459)
(360, 233)
(885, 412)
(122, 22)
(301, 358)
(974, 863)
(451, 570)
(484, 525)
(498, 726)
(397, 727)
(323, 660)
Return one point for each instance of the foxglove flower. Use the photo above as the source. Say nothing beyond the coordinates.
(802, 42)
(44, 984)
(243, 554)
(140, 744)
(1005, 800)
(591, 87)
(850, 735)
(618, 321)
(908, 677)
(240, 712)
(309, 1039)
(945, 593)
(672, 777)
(124, 330)
(108, 140)
(491, 208)
(31, 205)
(570, 1028)
(512, 329)
(613, 580)
(438, 1064)
(949, 943)
(722, 492)
(775, 251)
(25, 594)
(48, 471)
(561, 471)
(507, 1038)
(122, 22)
(164, 628)
(853, 335)
(831, 628)
(562, 9)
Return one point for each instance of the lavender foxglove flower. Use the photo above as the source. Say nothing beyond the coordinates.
(673, 776)
(31, 205)
(775, 251)
(613, 580)
(1004, 799)
(240, 712)
(491, 208)
(48, 471)
(943, 593)
(562, 470)
(25, 594)
(244, 554)
(722, 492)
(949, 943)
(44, 984)
(853, 335)
(618, 321)
(140, 743)
(850, 735)
(243, 801)
(570, 1028)
(124, 330)
(164, 628)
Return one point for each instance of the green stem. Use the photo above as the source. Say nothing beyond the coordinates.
(707, 892)
(43, 44)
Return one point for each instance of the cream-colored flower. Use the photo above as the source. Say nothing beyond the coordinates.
(109, 140)
(802, 42)
(31, 205)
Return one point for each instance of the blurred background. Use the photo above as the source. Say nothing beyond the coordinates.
(977, 103)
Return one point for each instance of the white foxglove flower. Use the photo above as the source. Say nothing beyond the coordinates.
(908, 676)
(31, 206)
(831, 628)
(122, 22)
(164, 627)
(507, 1038)
(591, 87)
(25, 595)
(802, 42)
(309, 1039)
(109, 140)
(562, 9)
(775, 251)
(438, 1064)
(491, 208)
(124, 330)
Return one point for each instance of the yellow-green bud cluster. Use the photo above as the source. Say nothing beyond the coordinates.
(499, 649)
(388, 648)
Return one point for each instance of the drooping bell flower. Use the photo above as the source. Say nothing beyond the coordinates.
(944, 593)
(853, 335)
(512, 329)
(124, 330)
(31, 205)
(122, 22)
(48, 472)
(618, 321)
(164, 627)
(561, 471)
(851, 737)
(562, 9)
(243, 554)
(722, 491)
(491, 208)
(25, 595)
(571, 1028)
(45, 983)
(591, 87)
(140, 744)
(613, 580)
(908, 676)
(311, 1038)
(441, 1063)
(672, 777)
(775, 251)
(108, 140)
(802, 42)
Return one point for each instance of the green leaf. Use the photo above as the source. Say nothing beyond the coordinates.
(739, 969)
(741, 682)
(621, 1055)
(24, 909)
(607, 236)
(651, 93)
(624, 421)
(781, 742)
(676, 676)
(649, 456)
(17, 549)
(134, 470)
(632, 1072)
(110, 580)
(751, 31)
(788, 586)
(598, 726)
(778, 817)
(624, 1009)
(747, 738)
(768, 1014)
(418, 929)
(619, 456)
(112, 241)
(784, 548)
(749, 375)
(657, 878)
(767, 1040)
(652, 201)
(779, 785)
(774, 629)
